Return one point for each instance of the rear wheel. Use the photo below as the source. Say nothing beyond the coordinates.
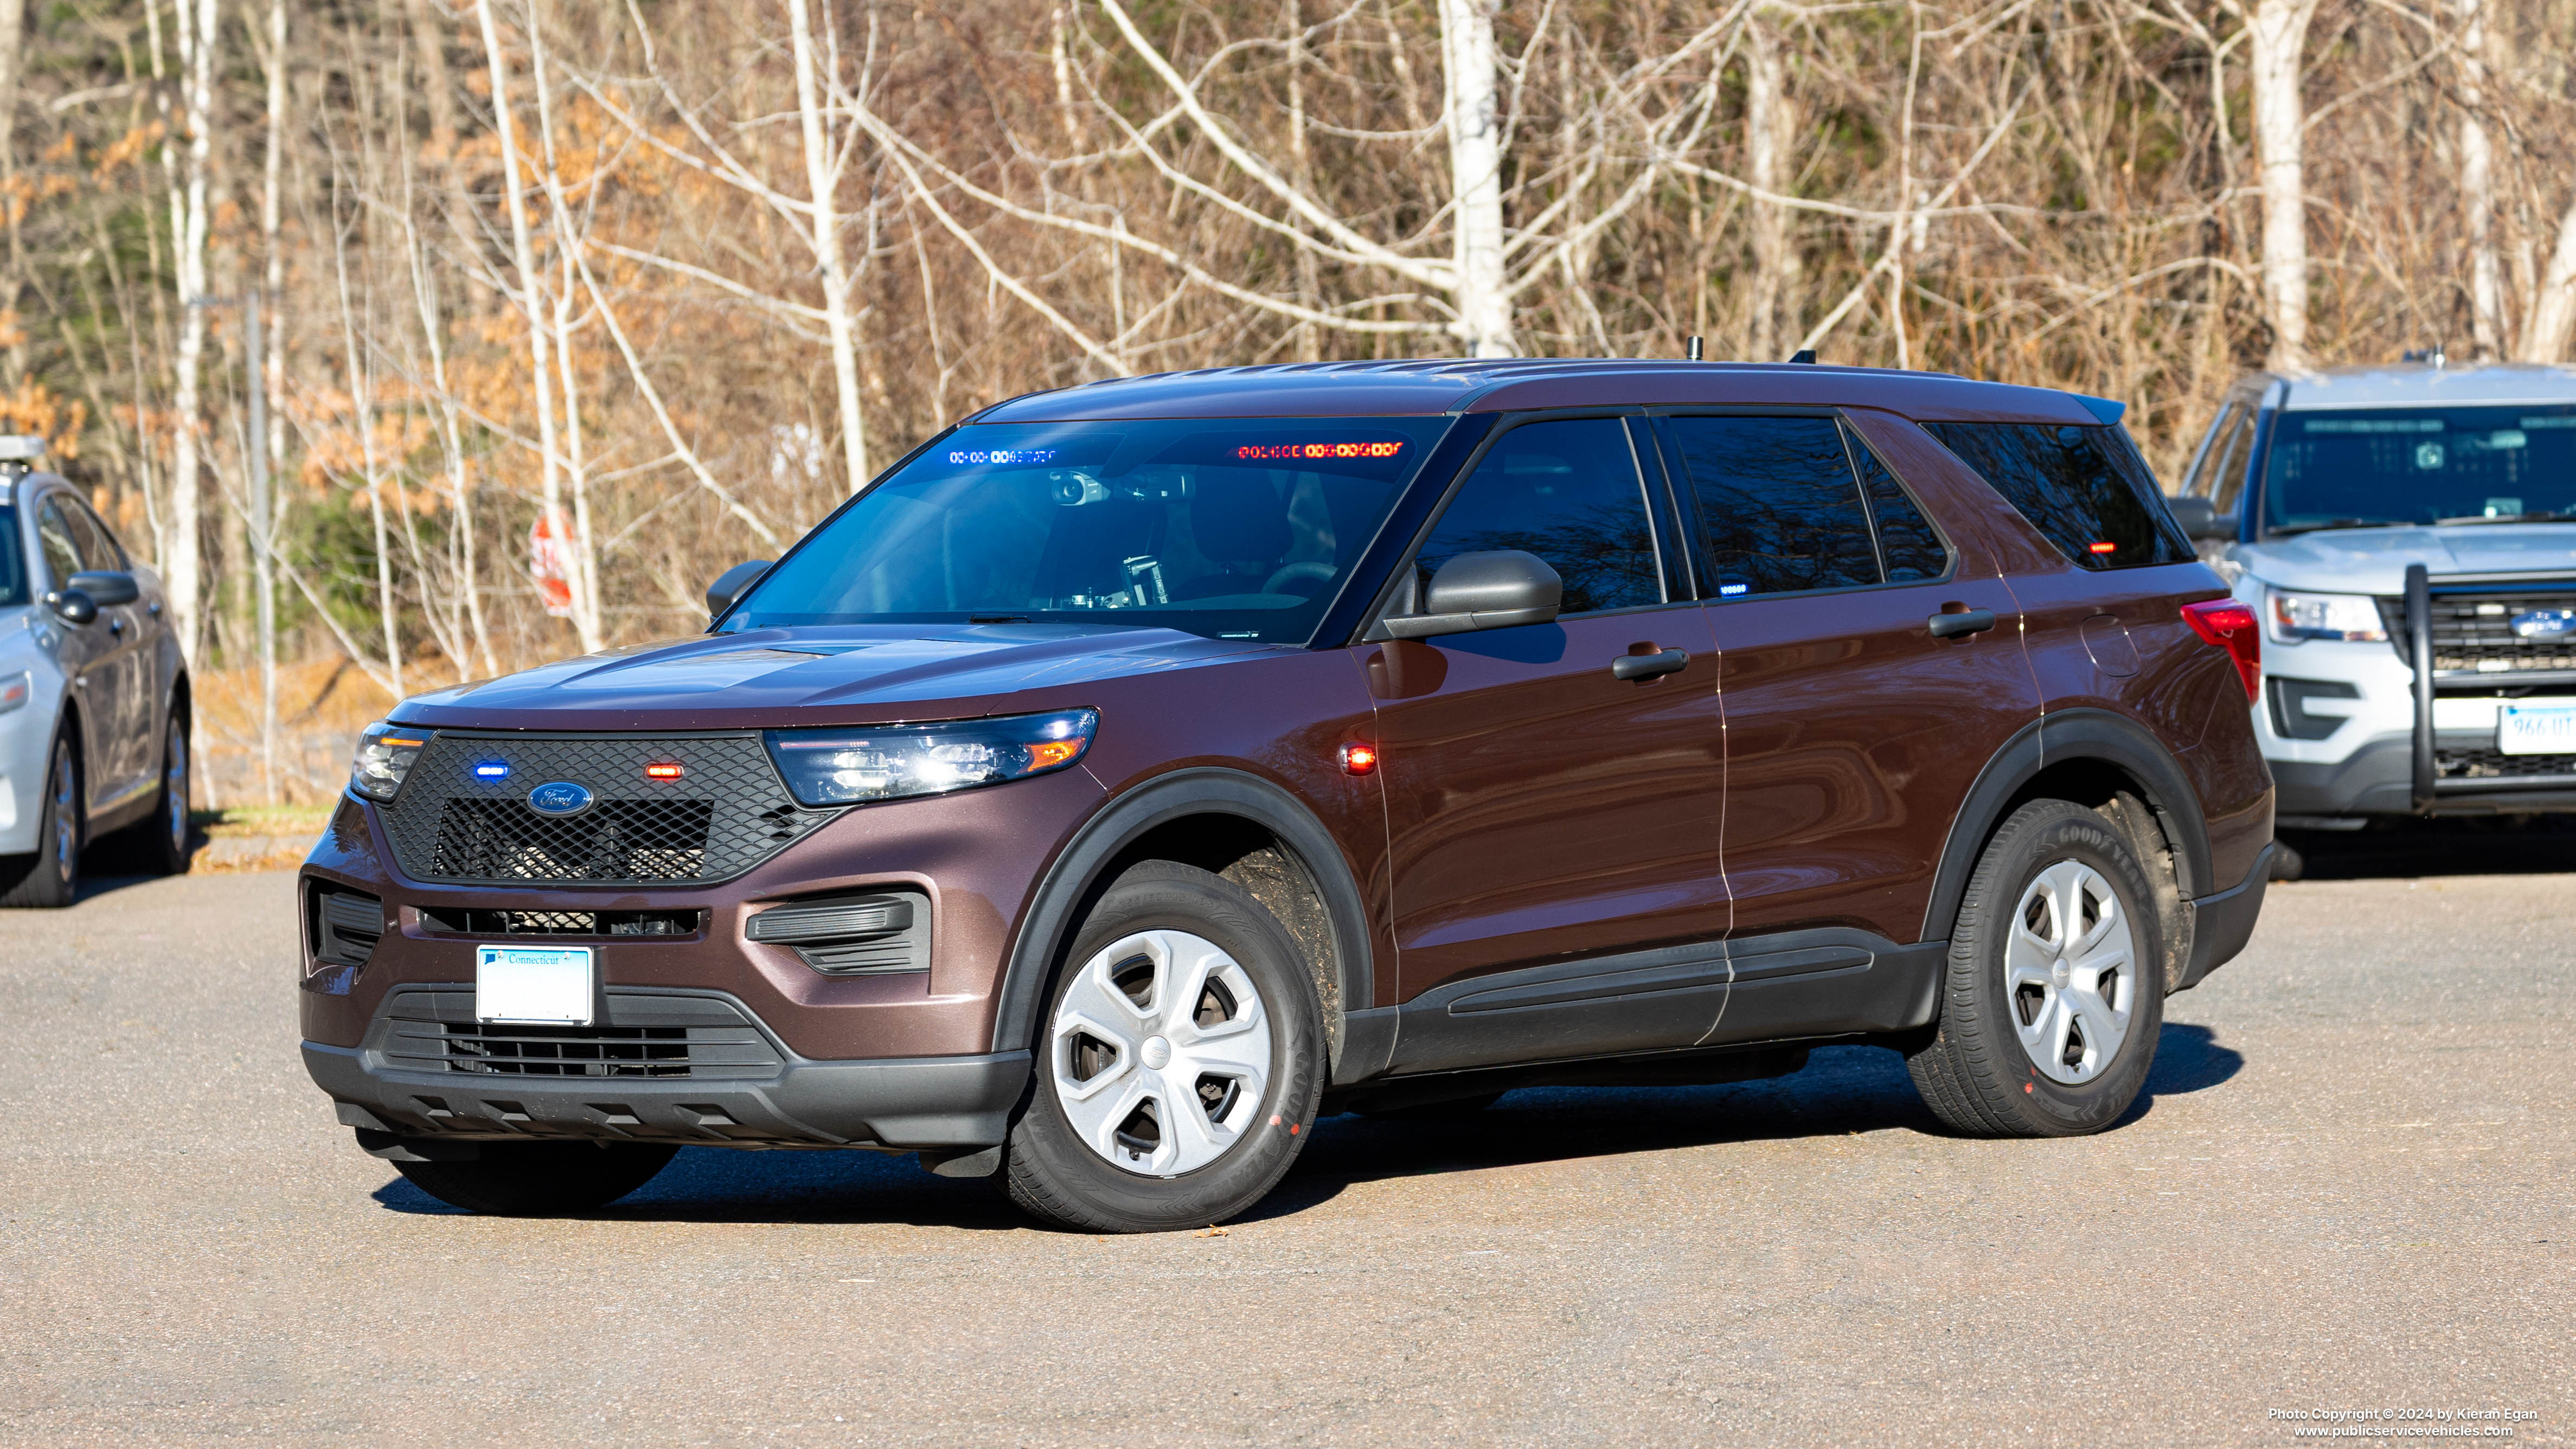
(2055, 995)
(51, 877)
(163, 836)
(1180, 1064)
(540, 1179)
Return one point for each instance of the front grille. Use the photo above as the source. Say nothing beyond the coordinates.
(2473, 630)
(460, 921)
(726, 812)
(643, 1034)
(2493, 764)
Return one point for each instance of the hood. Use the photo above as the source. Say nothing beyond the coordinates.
(853, 674)
(2374, 560)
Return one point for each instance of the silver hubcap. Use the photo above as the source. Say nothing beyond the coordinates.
(66, 812)
(1160, 1053)
(2070, 972)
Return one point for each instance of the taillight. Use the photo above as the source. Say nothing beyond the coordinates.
(2229, 624)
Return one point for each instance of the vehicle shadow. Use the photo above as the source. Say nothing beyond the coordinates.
(2530, 845)
(1844, 1089)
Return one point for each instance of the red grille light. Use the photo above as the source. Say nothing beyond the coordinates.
(662, 772)
(2229, 624)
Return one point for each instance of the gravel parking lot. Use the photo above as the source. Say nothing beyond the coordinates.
(2349, 1191)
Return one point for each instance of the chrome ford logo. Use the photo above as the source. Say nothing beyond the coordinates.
(2545, 624)
(559, 797)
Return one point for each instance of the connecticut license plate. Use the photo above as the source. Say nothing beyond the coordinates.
(2536, 729)
(549, 984)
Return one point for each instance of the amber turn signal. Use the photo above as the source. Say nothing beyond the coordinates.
(1359, 759)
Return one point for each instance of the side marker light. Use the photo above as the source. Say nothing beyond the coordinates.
(1359, 759)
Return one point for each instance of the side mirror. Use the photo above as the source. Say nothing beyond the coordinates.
(731, 585)
(106, 589)
(2201, 521)
(73, 605)
(1484, 591)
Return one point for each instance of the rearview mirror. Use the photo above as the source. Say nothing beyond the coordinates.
(2201, 521)
(1494, 590)
(105, 588)
(732, 584)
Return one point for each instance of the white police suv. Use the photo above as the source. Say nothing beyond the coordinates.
(2407, 533)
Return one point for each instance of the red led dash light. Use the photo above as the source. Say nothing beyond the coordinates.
(1290, 452)
(663, 772)
(2101, 548)
(1359, 759)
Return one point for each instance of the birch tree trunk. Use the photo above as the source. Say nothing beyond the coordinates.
(1766, 127)
(182, 574)
(2553, 313)
(1476, 177)
(12, 31)
(267, 442)
(2280, 35)
(822, 180)
(583, 575)
(2477, 190)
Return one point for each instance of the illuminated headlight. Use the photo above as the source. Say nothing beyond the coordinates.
(2350, 617)
(385, 754)
(888, 762)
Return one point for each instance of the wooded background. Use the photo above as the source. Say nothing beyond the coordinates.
(660, 279)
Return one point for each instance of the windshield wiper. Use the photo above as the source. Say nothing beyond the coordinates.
(2542, 515)
(2344, 523)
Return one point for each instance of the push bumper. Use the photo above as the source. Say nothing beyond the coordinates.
(689, 1068)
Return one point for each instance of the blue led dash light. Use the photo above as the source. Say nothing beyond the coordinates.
(492, 770)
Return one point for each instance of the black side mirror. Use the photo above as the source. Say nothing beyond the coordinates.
(731, 585)
(105, 588)
(1484, 591)
(73, 605)
(2201, 521)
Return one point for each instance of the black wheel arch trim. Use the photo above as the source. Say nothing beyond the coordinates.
(1079, 873)
(2056, 739)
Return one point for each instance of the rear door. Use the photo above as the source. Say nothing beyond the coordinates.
(1853, 732)
(1541, 810)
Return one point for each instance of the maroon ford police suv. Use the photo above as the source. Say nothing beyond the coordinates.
(1140, 771)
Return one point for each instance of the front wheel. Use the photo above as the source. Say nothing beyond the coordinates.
(2054, 997)
(1180, 1064)
(51, 877)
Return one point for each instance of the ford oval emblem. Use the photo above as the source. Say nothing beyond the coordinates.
(559, 797)
(2545, 624)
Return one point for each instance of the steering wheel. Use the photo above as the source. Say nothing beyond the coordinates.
(1285, 574)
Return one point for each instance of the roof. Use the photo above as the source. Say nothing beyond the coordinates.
(2421, 384)
(1469, 385)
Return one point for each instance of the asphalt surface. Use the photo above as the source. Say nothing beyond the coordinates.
(2348, 1190)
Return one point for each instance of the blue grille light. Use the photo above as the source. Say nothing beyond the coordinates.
(492, 770)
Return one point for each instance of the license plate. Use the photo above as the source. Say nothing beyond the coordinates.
(2536, 729)
(550, 984)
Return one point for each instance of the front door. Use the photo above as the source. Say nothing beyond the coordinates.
(1541, 809)
(1853, 730)
(87, 656)
(123, 676)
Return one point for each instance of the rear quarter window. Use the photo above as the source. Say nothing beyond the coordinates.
(2084, 488)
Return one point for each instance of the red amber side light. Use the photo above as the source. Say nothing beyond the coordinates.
(1359, 759)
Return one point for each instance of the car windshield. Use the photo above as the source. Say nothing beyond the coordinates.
(1233, 529)
(13, 565)
(2384, 466)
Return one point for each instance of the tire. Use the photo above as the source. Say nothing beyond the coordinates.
(1181, 995)
(50, 878)
(161, 838)
(2023, 1048)
(540, 1179)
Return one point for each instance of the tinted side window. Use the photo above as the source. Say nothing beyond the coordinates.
(1778, 499)
(2228, 457)
(1907, 542)
(55, 537)
(2085, 488)
(1569, 492)
(13, 573)
(98, 548)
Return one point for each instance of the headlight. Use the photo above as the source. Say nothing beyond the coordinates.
(2350, 617)
(385, 755)
(888, 762)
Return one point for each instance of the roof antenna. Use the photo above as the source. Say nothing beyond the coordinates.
(1804, 356)
(1691, 350)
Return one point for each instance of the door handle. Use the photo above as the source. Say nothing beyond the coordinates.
(1648, 666)
(1951, 626)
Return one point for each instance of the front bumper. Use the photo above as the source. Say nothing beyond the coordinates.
(682, 1067)
(2359, 699)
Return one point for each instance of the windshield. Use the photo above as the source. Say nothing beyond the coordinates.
(13, 566)
(1229, 529)
(2419, 466)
